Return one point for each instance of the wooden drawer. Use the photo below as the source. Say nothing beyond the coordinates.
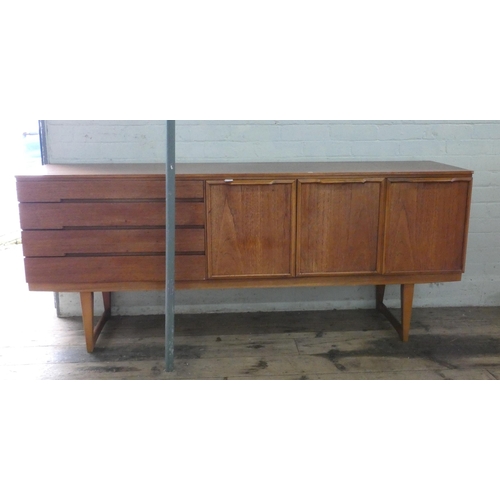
(189, 240)
(94, 269)
(60, 215)
(106, 214)
(190, 190)
(189, 214)
(190, 268)
(44, 190)
(110, 269)
(59, 242)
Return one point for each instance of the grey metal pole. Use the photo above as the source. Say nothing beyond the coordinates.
(170, 248)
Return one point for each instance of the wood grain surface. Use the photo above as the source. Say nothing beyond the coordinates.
(251, 229)
(426, 226)
(338, 227)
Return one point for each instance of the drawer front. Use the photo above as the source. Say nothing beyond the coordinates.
(189, 214)
(190, 240)
(190, 190)
(116, 214)
(71, 270)
(104, 189)
(54, 243)
(112, 269)
(60, 215)
(190, 268)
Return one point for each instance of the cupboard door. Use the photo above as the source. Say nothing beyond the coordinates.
(338, 226)
(250, 228)
(426, 226)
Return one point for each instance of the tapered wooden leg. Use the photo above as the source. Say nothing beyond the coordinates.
(403, 326)
(91, 333)
(406, 309)
(106, 298)
(87, 301)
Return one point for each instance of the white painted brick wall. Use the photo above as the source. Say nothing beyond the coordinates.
(468, 144)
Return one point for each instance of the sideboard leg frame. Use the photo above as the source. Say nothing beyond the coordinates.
(91, 333)
(403, 327)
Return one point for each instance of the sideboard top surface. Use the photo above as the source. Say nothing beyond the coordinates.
(263, 169)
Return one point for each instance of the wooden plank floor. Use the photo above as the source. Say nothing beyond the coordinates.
(445, 343)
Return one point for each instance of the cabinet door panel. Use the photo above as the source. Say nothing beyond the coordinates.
(250, 228)
(338, 227)
(426, 226)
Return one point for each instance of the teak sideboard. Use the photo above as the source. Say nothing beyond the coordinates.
(101, 228)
